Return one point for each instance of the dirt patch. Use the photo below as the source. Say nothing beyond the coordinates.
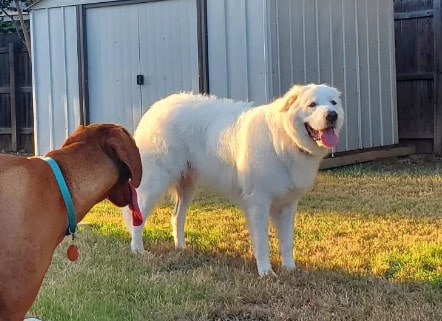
(416, 162)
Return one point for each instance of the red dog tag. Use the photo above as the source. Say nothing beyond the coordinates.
(72, 252)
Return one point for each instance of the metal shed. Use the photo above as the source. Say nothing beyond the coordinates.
(107, 61)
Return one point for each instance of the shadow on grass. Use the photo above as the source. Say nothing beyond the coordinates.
(221, 283)
(304, 294)
(159, 243)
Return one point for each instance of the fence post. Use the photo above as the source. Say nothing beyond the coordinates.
(13, 96)
(437, 149)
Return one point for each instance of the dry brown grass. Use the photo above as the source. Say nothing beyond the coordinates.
(368, 247)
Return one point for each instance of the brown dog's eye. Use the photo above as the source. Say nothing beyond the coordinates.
(333, 102)
(312, 104)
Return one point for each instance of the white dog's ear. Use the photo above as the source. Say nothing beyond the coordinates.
(289, 102)
(291, 96)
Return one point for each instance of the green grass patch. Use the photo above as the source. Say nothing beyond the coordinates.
(368, 247)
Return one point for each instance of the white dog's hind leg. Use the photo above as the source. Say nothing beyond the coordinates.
(258, 222)
(184, 195)
(284, 222)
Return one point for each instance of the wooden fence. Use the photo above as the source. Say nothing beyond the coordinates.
(418, 64)
(16, 116)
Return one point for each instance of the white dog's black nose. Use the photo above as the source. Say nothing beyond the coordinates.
(331, 116)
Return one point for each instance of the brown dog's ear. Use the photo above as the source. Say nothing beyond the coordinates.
(73, 137)
(120, 144)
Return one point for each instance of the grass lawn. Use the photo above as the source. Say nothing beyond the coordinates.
(368, 247)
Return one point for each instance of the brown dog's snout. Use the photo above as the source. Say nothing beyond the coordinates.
(332, 116)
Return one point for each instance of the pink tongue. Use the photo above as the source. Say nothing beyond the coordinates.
(328, 137)
(137, 217)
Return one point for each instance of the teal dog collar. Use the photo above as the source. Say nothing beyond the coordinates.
(64, 190)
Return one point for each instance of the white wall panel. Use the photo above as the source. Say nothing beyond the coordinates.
(238, 49)
(55, 76)
(168, 49)
(155, 39)
(348, 44)
(257, 49)
(113, 64)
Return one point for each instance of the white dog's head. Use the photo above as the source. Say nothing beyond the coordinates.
(317, 115)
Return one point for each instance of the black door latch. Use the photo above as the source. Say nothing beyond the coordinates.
(140, 79)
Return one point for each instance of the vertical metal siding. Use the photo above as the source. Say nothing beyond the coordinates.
(216, 19)
(257, 50)
(157, 40)
(348, 44)
(237, 46)
(113, 63)
(364, 99)
(55, 76)
(40, 81)
(257, 55)
(168, 49)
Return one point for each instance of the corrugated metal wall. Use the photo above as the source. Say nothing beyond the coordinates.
(258, 49)
(114, 95)
(238, 49)
(157, 40)
(55, 76)
(348, 44)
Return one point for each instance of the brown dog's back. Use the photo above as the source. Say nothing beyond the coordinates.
(97, 161)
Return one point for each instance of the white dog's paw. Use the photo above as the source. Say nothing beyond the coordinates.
(267, 273)
(289, 266)
(181, 246)
(137, 247)
(265, 270)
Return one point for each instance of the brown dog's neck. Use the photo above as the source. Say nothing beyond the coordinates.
(83, 176)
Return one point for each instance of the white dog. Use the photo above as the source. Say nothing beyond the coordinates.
(261, 158)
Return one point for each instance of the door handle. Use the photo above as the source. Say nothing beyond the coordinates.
(140, 79)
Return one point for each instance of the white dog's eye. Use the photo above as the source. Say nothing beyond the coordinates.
(312, 104)
(333, 102)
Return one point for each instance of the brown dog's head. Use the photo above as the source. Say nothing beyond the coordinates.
(118, 145)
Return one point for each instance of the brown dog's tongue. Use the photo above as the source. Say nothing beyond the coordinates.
(137, 217)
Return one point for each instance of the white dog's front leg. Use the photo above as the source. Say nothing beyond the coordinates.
(136, 244)
(284, 222)
(257, 219)
(136, 232)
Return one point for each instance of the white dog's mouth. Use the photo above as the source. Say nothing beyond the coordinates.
(326, 137)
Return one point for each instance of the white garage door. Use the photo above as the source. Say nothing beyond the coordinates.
(138, 54)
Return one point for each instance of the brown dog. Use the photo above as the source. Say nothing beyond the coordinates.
(97, 161)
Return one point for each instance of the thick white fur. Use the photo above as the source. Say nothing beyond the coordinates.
(261, 158)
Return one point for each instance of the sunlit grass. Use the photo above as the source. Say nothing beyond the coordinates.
(370, 237)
